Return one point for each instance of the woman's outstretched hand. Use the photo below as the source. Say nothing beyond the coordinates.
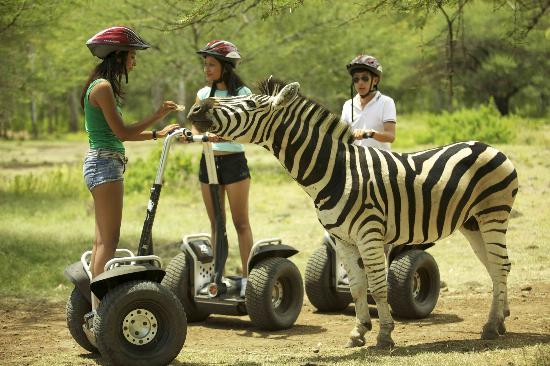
(166, 108)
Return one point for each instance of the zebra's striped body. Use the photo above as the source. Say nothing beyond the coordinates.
(367, 198)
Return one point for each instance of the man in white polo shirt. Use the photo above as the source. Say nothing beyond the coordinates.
(371, 114)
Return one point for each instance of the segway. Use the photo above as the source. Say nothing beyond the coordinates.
(138, 321)
(412, 275)
(273, 294)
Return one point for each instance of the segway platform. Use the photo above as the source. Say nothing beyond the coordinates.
(273, 296)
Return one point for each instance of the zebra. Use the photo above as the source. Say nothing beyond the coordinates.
(366, 197)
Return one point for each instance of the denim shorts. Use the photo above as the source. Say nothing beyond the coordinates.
(231, 168)
(103, 166)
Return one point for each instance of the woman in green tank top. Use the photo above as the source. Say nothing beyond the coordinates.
(105, 161)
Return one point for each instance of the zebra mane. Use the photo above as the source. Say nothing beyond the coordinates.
(332, 122)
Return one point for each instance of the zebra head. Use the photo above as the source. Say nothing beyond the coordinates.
(236, 118)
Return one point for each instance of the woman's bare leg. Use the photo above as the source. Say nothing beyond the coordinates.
(108, 198)
(237, 194)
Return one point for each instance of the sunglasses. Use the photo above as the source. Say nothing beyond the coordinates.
(356, 79)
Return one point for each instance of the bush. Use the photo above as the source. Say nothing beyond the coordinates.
(64, 181)
(483, 124)
(180, 167)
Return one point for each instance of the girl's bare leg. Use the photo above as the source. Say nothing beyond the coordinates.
(108, 198)
(237, 194)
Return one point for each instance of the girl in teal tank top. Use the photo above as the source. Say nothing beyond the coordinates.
(105, 162)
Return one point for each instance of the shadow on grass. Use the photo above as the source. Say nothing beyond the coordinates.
(432, 319)
(372, 354)
(179, 363)
(247, 329)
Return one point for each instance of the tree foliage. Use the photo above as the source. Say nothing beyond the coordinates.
(437, 55)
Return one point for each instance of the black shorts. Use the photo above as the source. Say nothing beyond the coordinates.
(231, 168)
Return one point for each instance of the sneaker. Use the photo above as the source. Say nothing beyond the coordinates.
(204, 289)
(88, 327)
(89, 319)
(244, 282)
(344, 280)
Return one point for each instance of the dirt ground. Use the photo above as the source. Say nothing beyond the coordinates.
(33, 331)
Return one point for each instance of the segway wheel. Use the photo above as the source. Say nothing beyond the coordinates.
(178, 280)
(320, 290)
(413, 284)
(274, 294)
(77, 307)
(140, 323)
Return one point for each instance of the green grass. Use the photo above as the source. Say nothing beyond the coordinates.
(47, 222)
(47, 214)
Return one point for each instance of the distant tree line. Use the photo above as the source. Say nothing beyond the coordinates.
(437, 55)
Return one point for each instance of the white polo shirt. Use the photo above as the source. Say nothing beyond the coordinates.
(378, 110)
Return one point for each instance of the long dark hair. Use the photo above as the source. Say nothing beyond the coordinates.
(232, 81)
(111, 68)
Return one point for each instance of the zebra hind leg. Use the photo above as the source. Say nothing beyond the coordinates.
(358, 287)
(487, 237)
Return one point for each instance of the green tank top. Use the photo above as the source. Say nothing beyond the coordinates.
(100, 135)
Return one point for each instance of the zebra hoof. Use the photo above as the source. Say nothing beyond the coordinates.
(506, 313)
(385, 343)
(355, 342)
(489, 332)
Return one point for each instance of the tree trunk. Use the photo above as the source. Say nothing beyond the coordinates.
(181, 100)
(502, 104)
(156, 94)
(34, 119)
(4, 123)
(74, 107)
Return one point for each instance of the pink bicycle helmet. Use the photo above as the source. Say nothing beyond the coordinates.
(115, 39)
(365, 62)
(221, 50)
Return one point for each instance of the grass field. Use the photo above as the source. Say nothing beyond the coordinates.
(46, 218)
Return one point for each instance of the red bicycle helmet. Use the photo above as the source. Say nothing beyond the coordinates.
(365, 62)
(115, 39)
(221, 50)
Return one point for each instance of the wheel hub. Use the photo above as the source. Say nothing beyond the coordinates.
(277, 294)
(139, 326)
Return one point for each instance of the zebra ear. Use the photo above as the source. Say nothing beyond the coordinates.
(286, 95)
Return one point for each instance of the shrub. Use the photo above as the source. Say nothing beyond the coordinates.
(64, 181)
(180, 167)
(483, 124)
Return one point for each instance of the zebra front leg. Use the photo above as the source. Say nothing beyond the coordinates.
(358, 287)
(374, 259)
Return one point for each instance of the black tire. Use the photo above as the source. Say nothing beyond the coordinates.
(274, 294)
(320, 290)
(178, 280)
(77, 307)
(413, 284)
(158, 335)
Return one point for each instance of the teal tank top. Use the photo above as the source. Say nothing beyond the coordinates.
(228, 146)
(100, 135)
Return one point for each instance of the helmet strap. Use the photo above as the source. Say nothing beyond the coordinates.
(351, 94)
(371, 89)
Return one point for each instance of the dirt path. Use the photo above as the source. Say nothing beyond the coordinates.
(33, 331)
